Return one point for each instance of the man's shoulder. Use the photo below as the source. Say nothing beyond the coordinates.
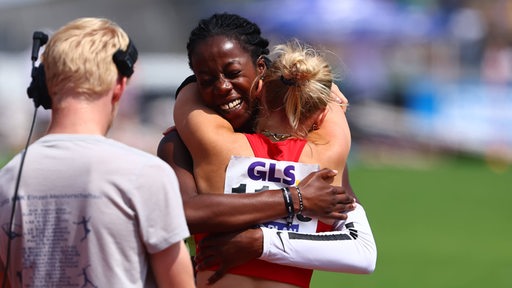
(132, 152)
(134, 160)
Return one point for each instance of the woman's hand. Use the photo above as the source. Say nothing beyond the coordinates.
(339, 97)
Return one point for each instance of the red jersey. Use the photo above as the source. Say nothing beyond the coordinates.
(287, 150)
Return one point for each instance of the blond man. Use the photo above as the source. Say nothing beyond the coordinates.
(90, 211)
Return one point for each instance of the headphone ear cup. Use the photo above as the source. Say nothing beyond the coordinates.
(37, 89)
(125, 60)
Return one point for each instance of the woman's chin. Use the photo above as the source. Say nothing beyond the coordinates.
(237, 119)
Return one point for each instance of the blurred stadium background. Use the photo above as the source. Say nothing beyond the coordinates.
(431, 113)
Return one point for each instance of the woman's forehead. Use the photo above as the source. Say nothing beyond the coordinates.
(221, 43)
(220, 52)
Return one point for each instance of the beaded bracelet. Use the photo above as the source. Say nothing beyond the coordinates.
(288, 202)
(301, 204)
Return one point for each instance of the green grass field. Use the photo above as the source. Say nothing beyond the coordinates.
(443, 226)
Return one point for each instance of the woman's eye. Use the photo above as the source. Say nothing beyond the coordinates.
(233, 74)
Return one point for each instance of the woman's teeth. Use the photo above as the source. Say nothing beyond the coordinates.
(231, 105)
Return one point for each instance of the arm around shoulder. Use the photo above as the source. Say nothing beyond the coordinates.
(209, 138)
(202, 130)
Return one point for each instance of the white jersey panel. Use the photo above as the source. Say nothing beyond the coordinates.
(254, 174)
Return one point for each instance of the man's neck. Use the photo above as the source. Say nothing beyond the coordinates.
(81, 118)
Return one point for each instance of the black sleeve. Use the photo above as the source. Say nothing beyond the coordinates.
(190, 79)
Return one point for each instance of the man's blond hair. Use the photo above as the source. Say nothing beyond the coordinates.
(78, 58)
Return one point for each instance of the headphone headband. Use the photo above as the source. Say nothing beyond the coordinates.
(37, 90)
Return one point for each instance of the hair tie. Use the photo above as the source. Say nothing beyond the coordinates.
(288, 82)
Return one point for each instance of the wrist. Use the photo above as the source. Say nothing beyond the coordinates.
(298, 200)
(259, 239)
(289, 205)
(301, 201)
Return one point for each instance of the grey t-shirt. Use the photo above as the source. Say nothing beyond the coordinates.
(90, 210)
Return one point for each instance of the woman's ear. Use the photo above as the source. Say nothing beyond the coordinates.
(259, 86)
(320, 119)
(261, 66)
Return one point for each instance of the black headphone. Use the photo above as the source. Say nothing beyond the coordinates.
(125, 60)
(37, 90)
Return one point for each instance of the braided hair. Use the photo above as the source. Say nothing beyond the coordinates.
(234, 27)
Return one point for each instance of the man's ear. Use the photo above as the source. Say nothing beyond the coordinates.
(119, 89)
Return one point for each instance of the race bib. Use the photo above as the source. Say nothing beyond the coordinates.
(253, 174)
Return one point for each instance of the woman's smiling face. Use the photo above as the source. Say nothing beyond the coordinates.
(225, 75)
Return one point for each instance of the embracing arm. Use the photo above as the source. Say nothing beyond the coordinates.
(349, 249)
(210, 138)
(228, 212)
(216, 212)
